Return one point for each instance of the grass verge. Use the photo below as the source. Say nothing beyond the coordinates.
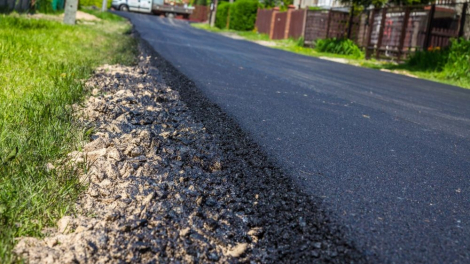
(42, 68)
(296, 46)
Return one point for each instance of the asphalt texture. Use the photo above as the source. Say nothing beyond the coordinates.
(388, 155)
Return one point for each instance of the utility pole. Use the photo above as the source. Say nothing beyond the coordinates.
(213, 12)
(104, 6)
(70, 12)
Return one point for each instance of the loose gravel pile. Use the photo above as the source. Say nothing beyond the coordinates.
(163, 189)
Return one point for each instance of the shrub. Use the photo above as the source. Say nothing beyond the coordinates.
(453, 62)
(431, 60)
(223, 10)
(339, 46)
(201, 2)
(243, 15)
(458, 63)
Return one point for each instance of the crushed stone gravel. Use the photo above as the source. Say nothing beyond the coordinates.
(172, 179)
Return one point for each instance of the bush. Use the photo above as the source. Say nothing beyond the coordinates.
(339, 46)
(458, 63)
(201, 2)
(223, 10)
(243, 15)
(453, 62)
(431, 60)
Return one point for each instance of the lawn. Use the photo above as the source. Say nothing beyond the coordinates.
(296, 46)
(43, 65)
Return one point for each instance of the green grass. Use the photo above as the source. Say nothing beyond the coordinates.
(42, 68)
(107, 16)
(294, 46)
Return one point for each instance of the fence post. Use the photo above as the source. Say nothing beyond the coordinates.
(227, 24)
(287, 29)
(427, 38)
(381, 32)
(304, 26)
(273, 21)
(403, 32)
(462, 20)
(369, 35)
(350, 25)
(328, 25)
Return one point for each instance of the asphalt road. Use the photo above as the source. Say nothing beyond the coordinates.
(389, 155)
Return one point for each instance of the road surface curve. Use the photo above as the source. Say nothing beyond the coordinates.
(388, 154)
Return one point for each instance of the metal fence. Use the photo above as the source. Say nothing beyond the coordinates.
(17, 5)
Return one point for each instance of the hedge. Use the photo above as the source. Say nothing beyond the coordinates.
(223, 10)
(243, 14)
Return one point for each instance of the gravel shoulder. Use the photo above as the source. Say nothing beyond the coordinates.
(172, 179)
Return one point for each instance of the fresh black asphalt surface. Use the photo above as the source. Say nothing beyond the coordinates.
(389, 155)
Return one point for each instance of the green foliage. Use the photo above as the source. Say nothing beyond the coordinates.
(44, 6)
(339, 46)
(243, 14)
(315, 8)
(453, 63)
(41, 65)
(223, 10)
(458, 63)
(432, 60)
(282, 4)
(299, 42)
(96, 3)
(202, 2)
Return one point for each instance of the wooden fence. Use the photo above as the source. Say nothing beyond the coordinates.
(390, 33)
(280, 25)
(263, 21)
(200, 14)
(395, 32)
(295, 22)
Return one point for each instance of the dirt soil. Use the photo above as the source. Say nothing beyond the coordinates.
(80, 16)
(172, 179)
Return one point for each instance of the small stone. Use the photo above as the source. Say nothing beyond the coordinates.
(238, 250)
(96, 144)
(211, 202)
(188, 259)
(49, 167)
(147, 199)
(92, 156)
(63, 225)
(80, 229)
(114, 154)
(213, 257)
(317, 244)
(184, 232)
(315, 253)
(93, 192)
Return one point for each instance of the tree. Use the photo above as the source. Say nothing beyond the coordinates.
(381, 3)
